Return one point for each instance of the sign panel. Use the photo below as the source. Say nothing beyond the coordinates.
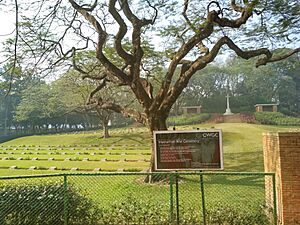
(188, 150)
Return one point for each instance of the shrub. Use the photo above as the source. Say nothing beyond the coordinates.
(225, 214)
(135, 211)
(187, 119)
(276, 118)
(44, 204)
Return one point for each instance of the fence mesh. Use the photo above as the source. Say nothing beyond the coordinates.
(129, 198)
(32, 201)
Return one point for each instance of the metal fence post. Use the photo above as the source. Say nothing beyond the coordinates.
(66, 200)
(203, 198)
(171, 200)
(274, 198)
(177, 199)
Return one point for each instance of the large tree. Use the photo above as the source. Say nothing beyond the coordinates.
(192, 34)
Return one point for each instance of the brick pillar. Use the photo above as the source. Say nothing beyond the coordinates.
(282, 156)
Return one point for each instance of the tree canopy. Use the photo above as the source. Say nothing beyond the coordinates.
(149, 48)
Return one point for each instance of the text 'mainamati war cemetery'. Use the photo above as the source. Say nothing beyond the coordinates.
(188, 150)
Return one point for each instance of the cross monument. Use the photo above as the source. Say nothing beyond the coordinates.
(228, 111)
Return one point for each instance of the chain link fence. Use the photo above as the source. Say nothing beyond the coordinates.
(129, 198)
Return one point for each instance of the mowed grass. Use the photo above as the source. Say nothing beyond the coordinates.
(123, 136)
(242, 144)
(128, 149)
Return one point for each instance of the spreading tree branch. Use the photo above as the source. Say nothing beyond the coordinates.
(184, 14)
(125, 111)
(128, 58)
(95, 91)
(204, 31)
(102, 35)
(90, 8)
(13, 69)
(201, 62)
(155, 10)
(236, 7)
(265, 60)
(94, 77)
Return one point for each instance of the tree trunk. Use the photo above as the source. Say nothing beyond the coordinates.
(156, 122)
(104, 117)
(6, 120)
(105, 129)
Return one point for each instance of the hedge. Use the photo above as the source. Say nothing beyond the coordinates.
(187, 119)
(45, 204)
(276, 118)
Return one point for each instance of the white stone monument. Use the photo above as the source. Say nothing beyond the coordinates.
(228, 111)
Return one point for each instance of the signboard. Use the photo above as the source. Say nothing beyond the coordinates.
(188, 150)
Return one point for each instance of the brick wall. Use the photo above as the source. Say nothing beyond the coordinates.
(282, 156)
(236, 118)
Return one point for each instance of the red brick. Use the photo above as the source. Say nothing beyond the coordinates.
(282, 156)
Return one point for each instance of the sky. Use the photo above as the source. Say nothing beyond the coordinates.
(7, 25)
(7, 30)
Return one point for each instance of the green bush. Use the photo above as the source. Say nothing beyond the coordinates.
(44, 204)
(225, 214)
(135, 211)
(187, 119)
(276, 118)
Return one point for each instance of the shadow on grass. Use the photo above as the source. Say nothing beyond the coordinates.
(228, 180)
(231, 137)
(136, 138)
(244, 161)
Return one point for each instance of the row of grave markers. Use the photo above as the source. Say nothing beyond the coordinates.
(75, 149)
(53, 168)
(77, 153)
(71, 146)
(84, 159)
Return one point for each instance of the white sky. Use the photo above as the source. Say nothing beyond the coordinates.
(7, 26)
(6, 21)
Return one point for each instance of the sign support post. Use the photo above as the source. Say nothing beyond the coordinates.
(202, 198)
(171, 200)
(177, 199)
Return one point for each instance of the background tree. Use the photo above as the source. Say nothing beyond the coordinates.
(75, 91)
(93, 81)
(288, 93)
(37, 106)
(246, 85)
(10, 94)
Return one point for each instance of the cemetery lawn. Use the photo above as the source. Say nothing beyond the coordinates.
(128, 149)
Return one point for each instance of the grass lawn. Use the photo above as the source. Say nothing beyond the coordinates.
(120, 137)
(128, 148)
(242, 144)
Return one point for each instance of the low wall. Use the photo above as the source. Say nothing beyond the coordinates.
(282, 156)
